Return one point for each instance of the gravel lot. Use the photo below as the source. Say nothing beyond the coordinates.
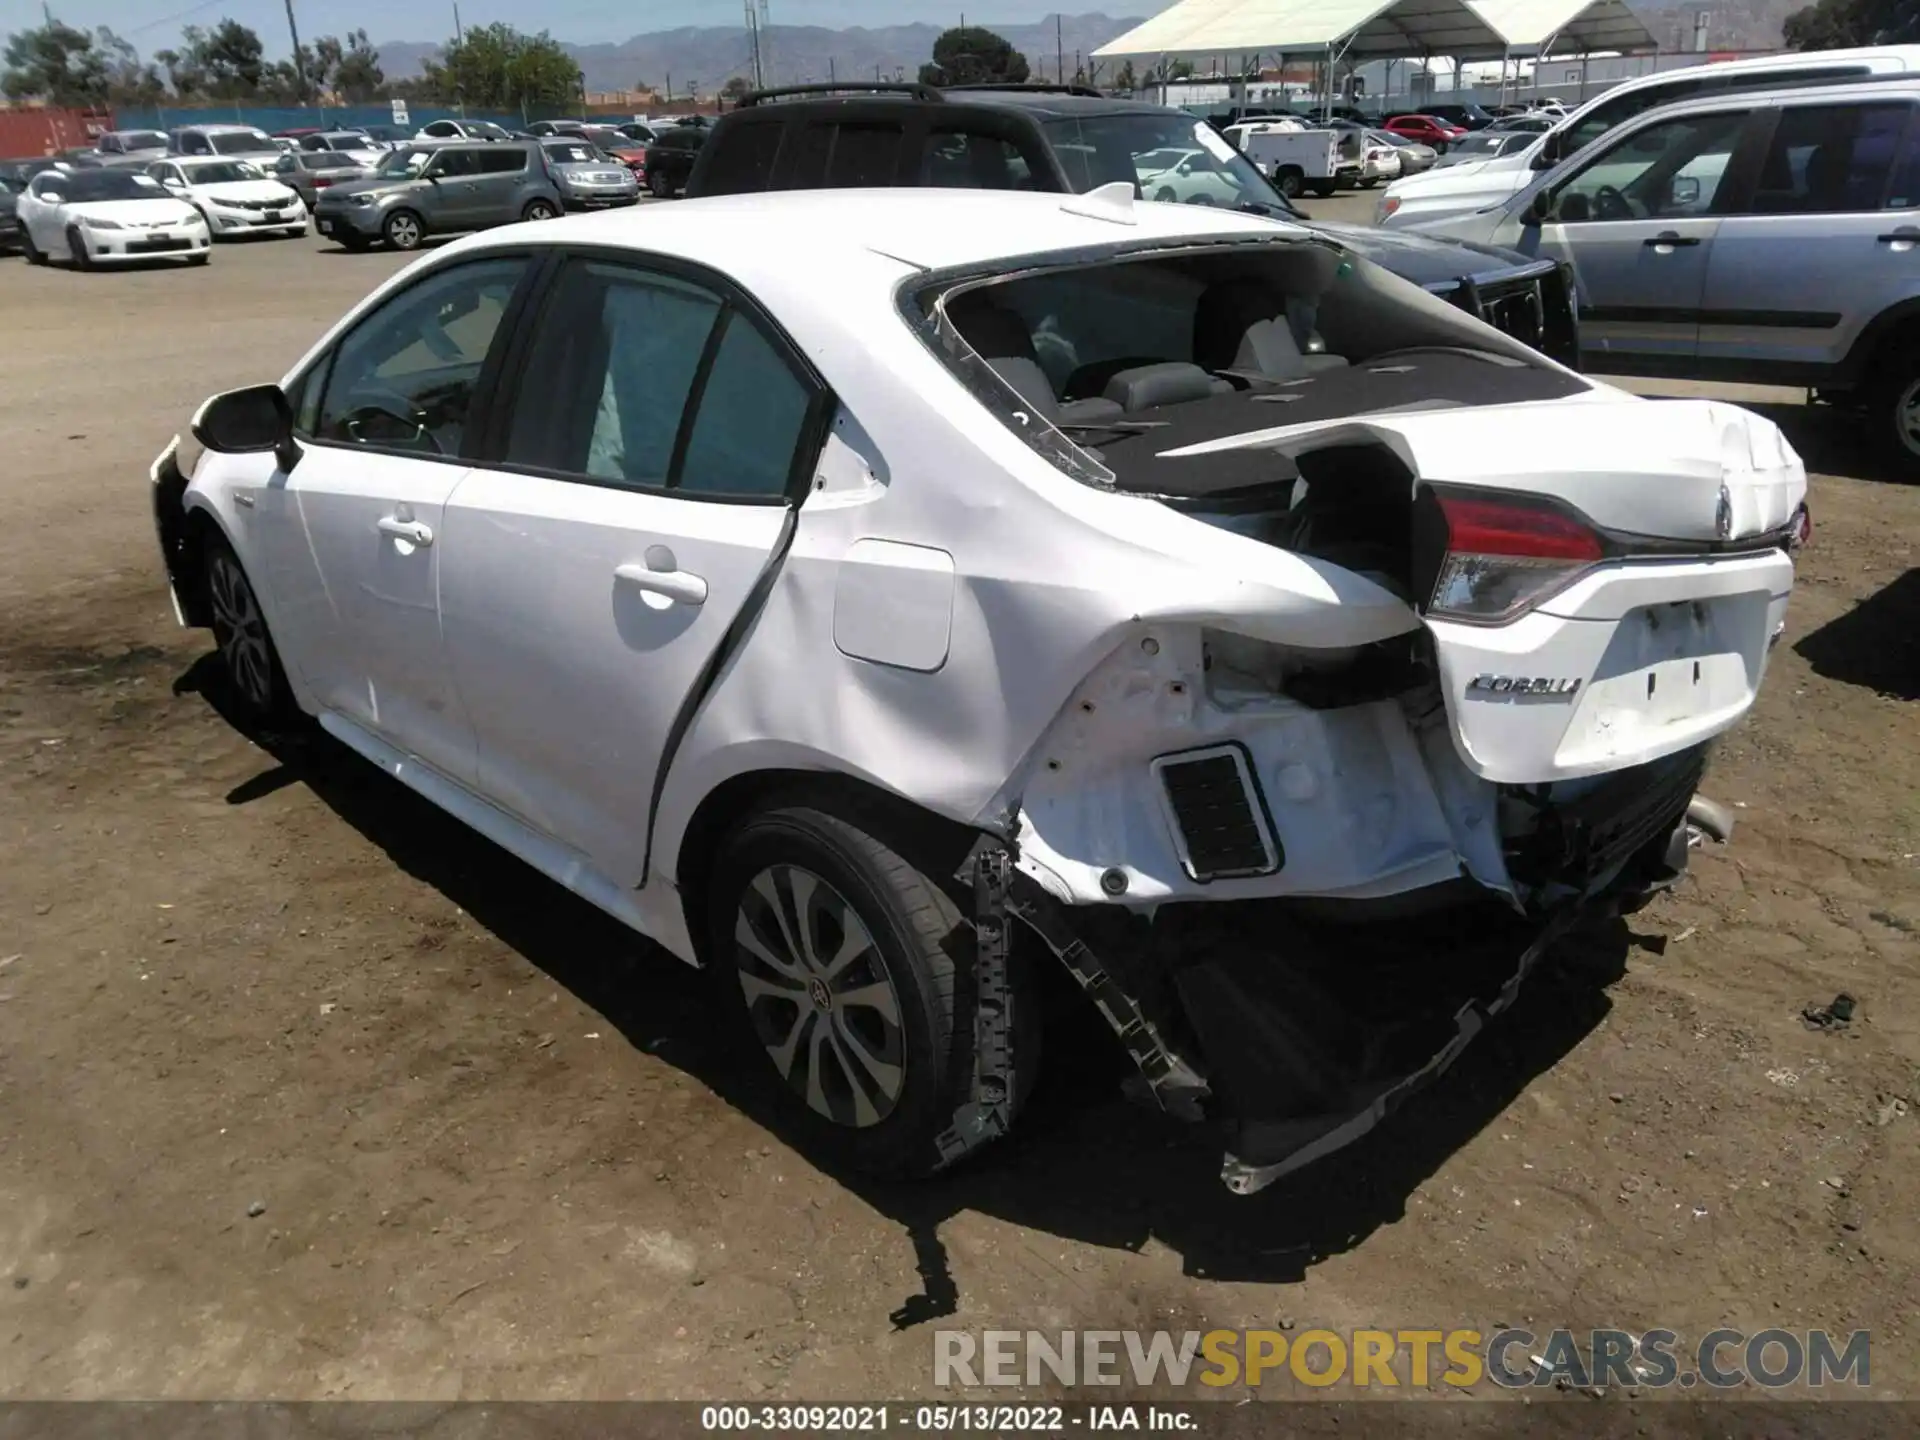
(496, 1160)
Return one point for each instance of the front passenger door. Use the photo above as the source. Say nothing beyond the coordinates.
(453, 190)
(1637, 222)
(654, 448)
(353, 534)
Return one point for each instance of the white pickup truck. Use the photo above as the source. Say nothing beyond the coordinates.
(1298, 159)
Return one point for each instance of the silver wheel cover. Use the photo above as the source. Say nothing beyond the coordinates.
(241, 631)
(819, 996)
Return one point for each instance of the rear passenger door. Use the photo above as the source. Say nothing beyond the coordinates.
(1826, 237)
(641, 483)
(502, 170)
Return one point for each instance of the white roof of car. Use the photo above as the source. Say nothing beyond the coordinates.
(929, 229)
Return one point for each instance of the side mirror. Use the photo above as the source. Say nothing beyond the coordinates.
(1684, 191)
(253, 421)
(1543, 157)
(1539, 209)
(53, 197)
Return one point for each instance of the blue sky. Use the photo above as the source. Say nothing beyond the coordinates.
(155, 24)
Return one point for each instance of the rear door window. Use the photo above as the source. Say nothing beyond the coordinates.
(744, 160)
(506, 160)
(957, 159)
(842, 154)
(1833, 160)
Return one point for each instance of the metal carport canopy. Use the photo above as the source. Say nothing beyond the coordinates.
(1352, 29)
(1581, 26)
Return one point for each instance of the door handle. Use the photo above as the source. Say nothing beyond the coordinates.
(1671, 240)
(412, 531)
(1905, 235)
(679, 585)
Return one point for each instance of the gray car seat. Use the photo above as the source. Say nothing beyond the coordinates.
(1243, 326)
(1001, 338)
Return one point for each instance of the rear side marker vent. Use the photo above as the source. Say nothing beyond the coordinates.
(1218, 815)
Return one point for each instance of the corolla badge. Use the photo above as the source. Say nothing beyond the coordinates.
(1723, 515)
(1525, 685)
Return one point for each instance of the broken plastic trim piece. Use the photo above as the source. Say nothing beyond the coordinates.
(987, 1112)
(1245, 1178)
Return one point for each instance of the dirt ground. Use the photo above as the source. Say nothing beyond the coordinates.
(496, 1158)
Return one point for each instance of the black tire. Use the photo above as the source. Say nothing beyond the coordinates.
(199, 257)
(915, 956)
(77, 254)
(354, 243)
(1165, 196)
(1290, 182)
(660, 185)
(403, 230)
(1369, 184)
(35, 255)
(1324, 188)
(255, 677)
(540, 210)
(1894, 411)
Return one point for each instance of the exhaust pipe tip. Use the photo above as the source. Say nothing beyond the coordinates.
(1710, 818)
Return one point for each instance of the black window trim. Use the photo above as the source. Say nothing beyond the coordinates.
(822, 403)
(484, 387)
(1743, 160)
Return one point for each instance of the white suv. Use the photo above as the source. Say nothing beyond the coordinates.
(1770, 238)
(1134, 572)
(1461, 189)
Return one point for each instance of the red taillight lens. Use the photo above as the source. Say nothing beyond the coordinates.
(320, 182)
(1802, 530)
(1505, 557)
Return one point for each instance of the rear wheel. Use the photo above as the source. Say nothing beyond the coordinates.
(1896, 410)
(403, 230)
(539, 210)
(1290, 181)
(844, 974)
(1324, 188)
(661, 186)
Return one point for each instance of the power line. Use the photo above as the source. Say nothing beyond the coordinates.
(170, 19)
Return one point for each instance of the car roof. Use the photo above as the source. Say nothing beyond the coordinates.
(1908, 57)
(1893, 88)
(225, 129)
(927, 229)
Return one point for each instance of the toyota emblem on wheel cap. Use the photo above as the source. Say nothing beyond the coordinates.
(1723, 516)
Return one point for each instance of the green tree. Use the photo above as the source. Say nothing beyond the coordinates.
(1126, 80)
(498, 67)
(354, 72)
(55, 63)
(1839, 24)
(737, 86)
(973, 55)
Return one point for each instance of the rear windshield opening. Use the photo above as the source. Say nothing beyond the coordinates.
(1105, 365)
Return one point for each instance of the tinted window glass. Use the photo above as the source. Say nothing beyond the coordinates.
(505, 160)
(457, 163)
(609, 374)
(1830, 159)
(967, 160)
(813, 146)
(1667, 170)
(744, 160)
(404, 378)
(753, 412)
(864, 155)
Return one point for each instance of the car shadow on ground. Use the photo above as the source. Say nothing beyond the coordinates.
(1084, 1164)
(1876, 644)
(1832, 441)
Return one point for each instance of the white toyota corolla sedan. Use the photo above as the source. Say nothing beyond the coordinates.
(1294, 657)
(105, 217)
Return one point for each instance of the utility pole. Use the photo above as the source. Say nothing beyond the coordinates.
(753, 48)
(459, 37)
(1059, 48)
(299, 60)
(832, 77)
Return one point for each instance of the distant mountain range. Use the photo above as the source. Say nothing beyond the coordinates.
(709, 55)
(796, 54)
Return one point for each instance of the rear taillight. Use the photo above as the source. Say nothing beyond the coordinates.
(320, 184)
(1506, 556)
(1801, 530)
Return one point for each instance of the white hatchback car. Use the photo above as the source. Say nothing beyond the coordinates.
(107, 216)
(235, 197)
(1141, 573)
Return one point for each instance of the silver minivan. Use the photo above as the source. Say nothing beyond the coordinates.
(1769, 238)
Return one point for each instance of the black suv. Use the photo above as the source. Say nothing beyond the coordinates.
(1069, 139)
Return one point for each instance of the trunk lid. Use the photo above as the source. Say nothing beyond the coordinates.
(1653, 642)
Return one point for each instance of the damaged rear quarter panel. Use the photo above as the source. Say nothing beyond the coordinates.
(1050, 576)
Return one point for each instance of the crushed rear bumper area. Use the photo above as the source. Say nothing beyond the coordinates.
(1298, 1029)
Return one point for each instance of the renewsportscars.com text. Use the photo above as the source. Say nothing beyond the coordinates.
(1513, 1358)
